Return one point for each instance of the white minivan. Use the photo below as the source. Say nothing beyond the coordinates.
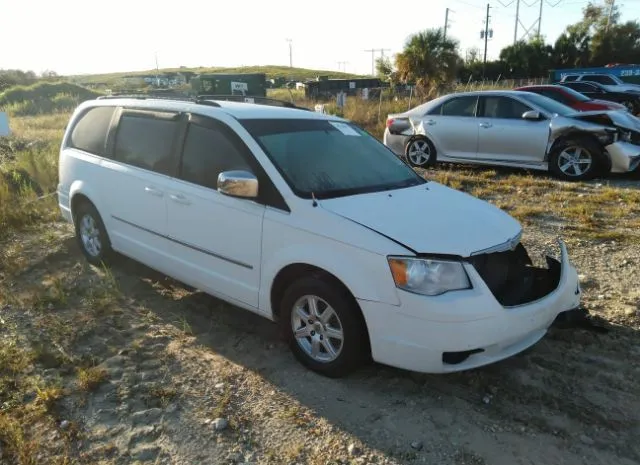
(308, 220)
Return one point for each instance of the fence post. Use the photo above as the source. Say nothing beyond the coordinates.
(380, 103)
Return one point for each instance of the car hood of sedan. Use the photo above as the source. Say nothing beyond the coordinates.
(618, 118)
(431, 219)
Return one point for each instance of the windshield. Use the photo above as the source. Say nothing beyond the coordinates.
(329, 158)
(547, 104)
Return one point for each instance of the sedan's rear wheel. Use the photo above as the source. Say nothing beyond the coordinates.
(420, 152)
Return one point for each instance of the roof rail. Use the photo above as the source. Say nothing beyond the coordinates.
(159, 97)
(250, 99)
(209, 100)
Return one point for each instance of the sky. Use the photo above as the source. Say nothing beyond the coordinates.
(86, 37)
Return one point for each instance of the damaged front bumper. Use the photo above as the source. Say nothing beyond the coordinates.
(625, 157)
(467, 329)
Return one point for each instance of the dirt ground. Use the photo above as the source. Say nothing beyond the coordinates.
(150, 371)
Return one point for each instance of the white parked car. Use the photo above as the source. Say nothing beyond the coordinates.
(307, 220)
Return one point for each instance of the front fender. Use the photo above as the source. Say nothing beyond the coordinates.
(365, 274)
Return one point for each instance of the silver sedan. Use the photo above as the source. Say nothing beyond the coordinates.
(517, 129)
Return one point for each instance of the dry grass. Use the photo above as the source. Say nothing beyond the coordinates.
(91, 378)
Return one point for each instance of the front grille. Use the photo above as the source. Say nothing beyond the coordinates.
(513, 279)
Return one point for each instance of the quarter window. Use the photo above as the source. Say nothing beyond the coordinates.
(146, 142)
(90, 132)
(208, 152)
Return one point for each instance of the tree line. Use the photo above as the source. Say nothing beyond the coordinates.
(433, 61)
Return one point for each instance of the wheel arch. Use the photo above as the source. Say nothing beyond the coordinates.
(288, 274)
(578, 134)
(80, 192)
(428, 139)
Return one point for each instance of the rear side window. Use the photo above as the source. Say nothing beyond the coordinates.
(146, 142)
(90, 132)
(570, 78)
(583, 87)
(460, 106)
(208, 152)
(600, 78)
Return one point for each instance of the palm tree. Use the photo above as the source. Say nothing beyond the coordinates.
(429, 59)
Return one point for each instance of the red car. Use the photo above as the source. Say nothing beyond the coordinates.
(572, 98)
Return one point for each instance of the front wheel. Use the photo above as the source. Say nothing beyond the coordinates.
(631, 106)
(323, 327)
(576, 159)
(420, 152)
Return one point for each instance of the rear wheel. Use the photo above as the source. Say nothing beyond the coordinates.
(420, 152)
(576, 159)
(91, 234)
(323, 327)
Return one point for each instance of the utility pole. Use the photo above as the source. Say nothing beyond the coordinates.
(611, 5)
(342, 65)
(446, 22)
(486, 40)
(515, 33)
(290, 53)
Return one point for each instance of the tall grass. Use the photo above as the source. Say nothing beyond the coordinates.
(20, 205)
(43, 98)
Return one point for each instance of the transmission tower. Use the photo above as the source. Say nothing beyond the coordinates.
(373, 57)
(537, 23)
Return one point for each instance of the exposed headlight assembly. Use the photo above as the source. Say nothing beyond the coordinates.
(428, 276)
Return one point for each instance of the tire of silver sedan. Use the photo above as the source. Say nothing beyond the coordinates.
(420, 152)
(323, 327)
(91, 234)
(576, 159)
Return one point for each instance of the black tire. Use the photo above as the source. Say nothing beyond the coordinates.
(87, 210)
(587, 146)
(631, 106)
(428, 157)
(355, 344)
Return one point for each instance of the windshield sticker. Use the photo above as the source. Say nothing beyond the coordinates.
(344, 128)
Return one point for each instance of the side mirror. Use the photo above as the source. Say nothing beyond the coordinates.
(531, 115)
(238, 183)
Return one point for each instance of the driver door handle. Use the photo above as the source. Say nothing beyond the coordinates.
(153, 191)
(485, 125)
(430, 122)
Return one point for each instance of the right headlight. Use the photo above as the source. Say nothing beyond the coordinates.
(428, 276)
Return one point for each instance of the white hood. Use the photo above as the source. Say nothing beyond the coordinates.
(430, 218)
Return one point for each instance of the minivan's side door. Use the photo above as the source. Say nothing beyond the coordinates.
(505, 136)
(453, 127)
(135, 183)
(217, 238)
